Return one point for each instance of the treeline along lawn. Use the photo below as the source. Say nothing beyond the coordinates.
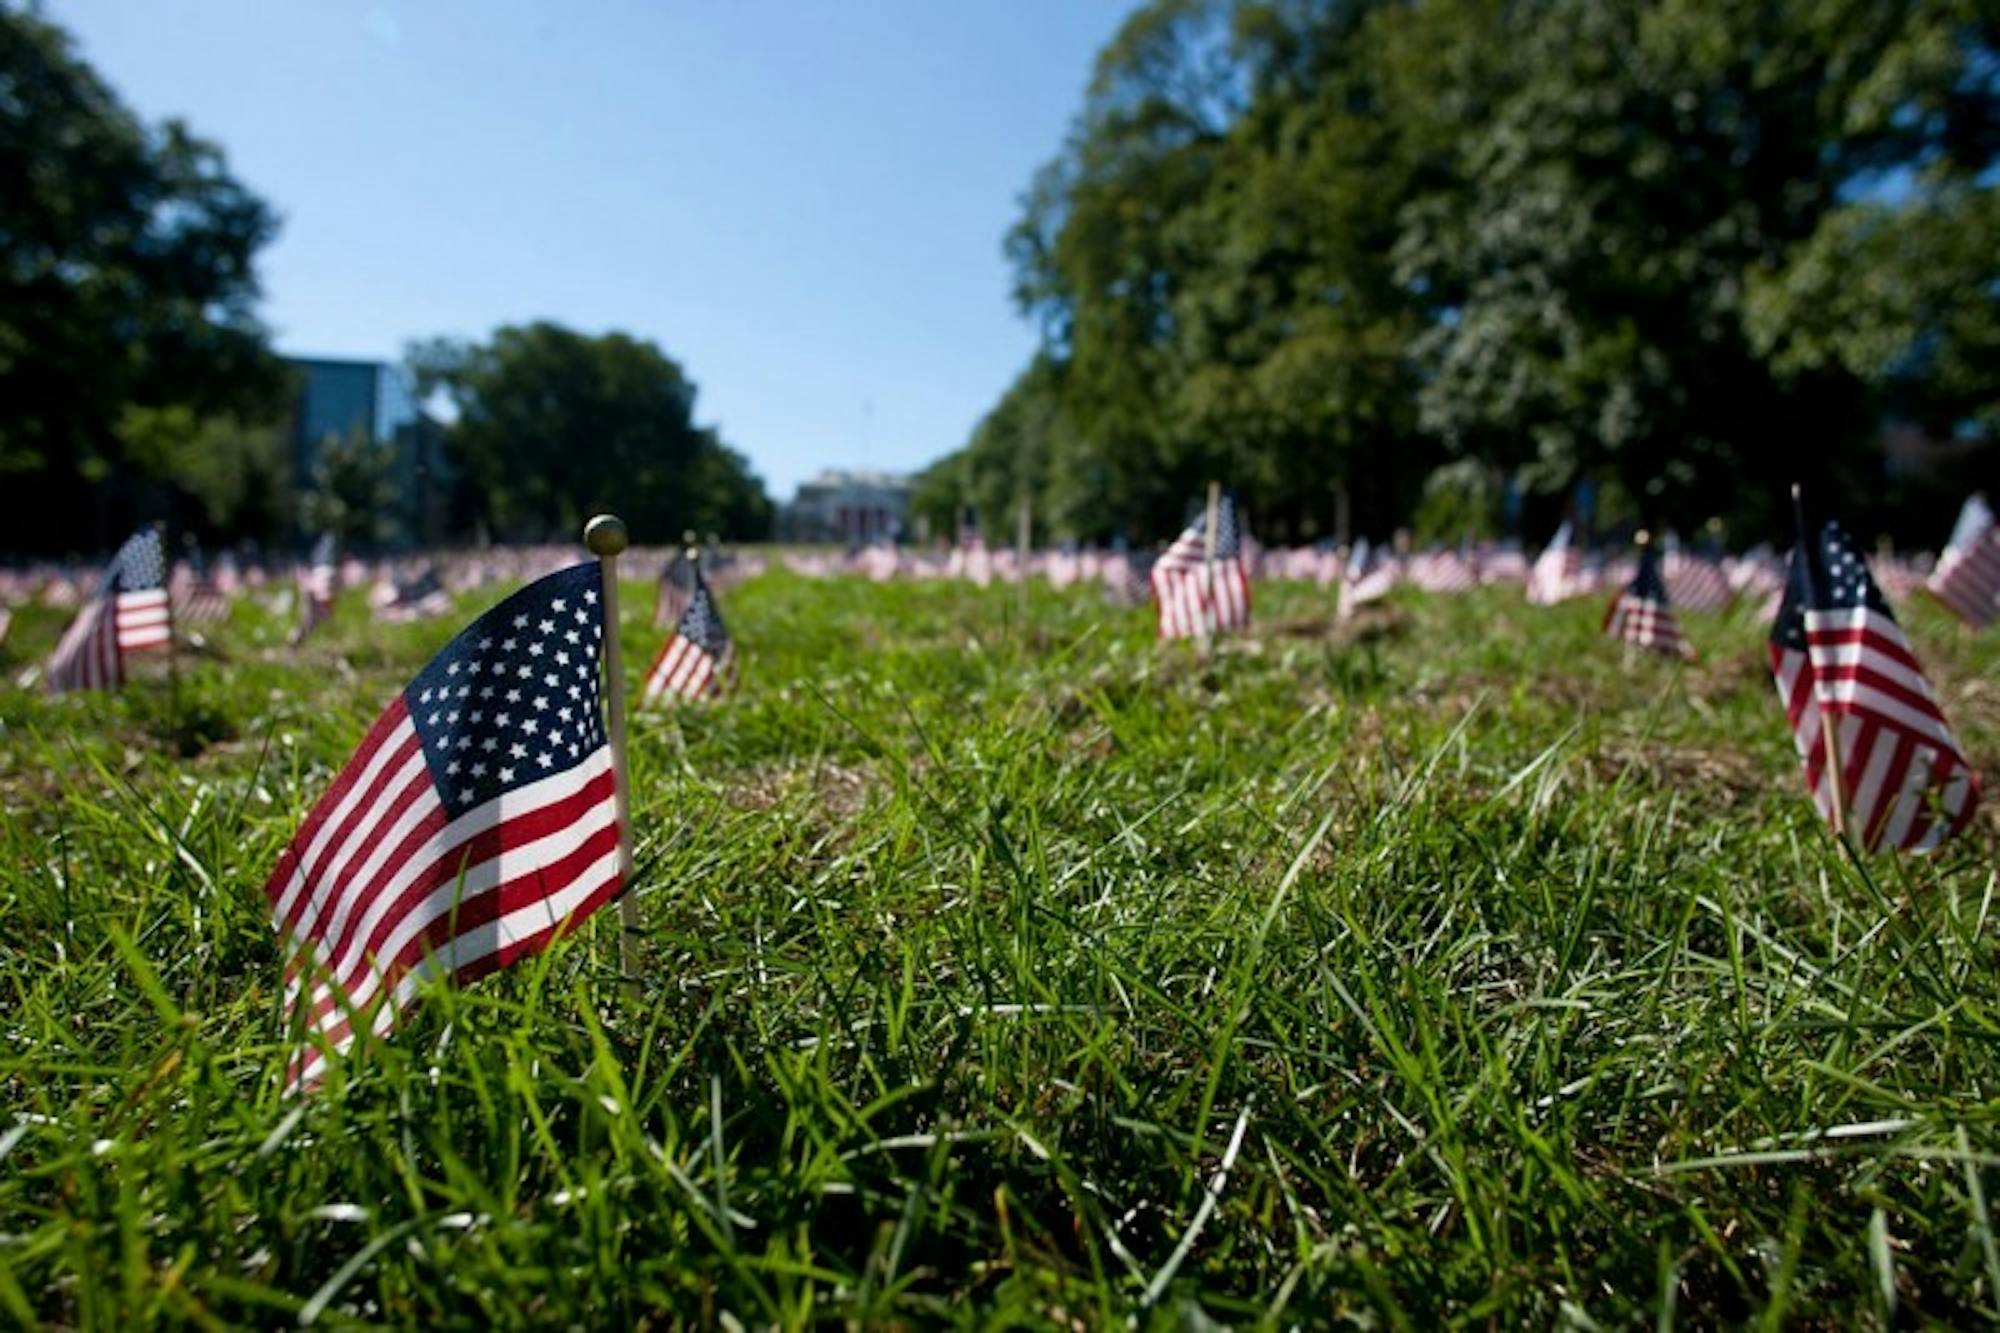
(1445, 966)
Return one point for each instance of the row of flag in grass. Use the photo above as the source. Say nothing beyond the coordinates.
(483, 813)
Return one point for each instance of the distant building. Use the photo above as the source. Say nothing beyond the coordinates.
(853, 508)
(338, 398)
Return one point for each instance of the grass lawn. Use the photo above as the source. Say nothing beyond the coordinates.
(1004, 967)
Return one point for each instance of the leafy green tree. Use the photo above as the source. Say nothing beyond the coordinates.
(230, 477)
(352, 491)
(1689, 250)
(552, 425)
(126, 281)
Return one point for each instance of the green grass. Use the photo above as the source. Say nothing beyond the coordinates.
(1011, 969)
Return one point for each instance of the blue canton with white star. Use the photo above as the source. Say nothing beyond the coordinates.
(513, 699)
(1648, 583)
(140, 565)
(1840, 574)
(1830, 575)
(701, 623)
(1228, 532)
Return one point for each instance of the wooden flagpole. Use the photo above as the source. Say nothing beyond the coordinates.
(606, 538)
(1829, 738)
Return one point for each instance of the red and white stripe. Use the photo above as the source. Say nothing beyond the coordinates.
(685, 670)
(1645, 623)
(1967, 578)
(1696, 582)
(145, 620)
(1443, 572)
(383, 887)
(87, 656)
(1202, 600)
(318, 586)
(1904, 780)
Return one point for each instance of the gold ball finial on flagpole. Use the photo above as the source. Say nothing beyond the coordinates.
(605, 535)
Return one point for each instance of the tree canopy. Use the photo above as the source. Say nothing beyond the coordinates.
(127, 294)
(1689, 249)
(553, 424)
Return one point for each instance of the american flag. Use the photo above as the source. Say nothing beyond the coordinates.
(198, 595)
(1370, 576)
(130, 613)
(1503, 563)
(1695, 581)
(971, 560)
(145, 613)
(419, 598)
(1557, 575)
(475, 823)
(319, 584)
(1127, 576)
(1643, 616)
(676, 588)
(1967, 577)
(1444, 571)
(697, 661)
(1836, 651)
(1198, 596)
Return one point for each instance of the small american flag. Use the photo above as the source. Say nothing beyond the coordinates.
(676, 588)
(697, 661)
(419, 598)
(475, 823)
(1641, 615)
(1198, 596)
(1836, 651)
(1967, 577)
(130, 613)
(1557, 575)
(1370, 576)
(145, 612)
(1444, 571)
(1695, 581)
(1127, 576)
(198, 595)
(971, 560)
(319, 584)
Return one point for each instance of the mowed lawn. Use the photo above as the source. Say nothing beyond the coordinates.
(1002, 966)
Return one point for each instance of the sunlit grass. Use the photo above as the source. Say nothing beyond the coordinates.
(1000, 961)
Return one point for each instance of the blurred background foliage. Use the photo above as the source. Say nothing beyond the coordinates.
(1687, 249)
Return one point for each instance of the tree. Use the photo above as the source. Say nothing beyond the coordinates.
(126, 281)
(1688, 250)
(230, 476)
(352, 489)
(553, 425)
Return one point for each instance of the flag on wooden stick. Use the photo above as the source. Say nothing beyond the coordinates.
(475, 823)
(319, 584)
(1879, 759)
(1967, 577)
(419, 598)
(1641, 614)
(130, 613)
(1200, 584)
(697, 661)
(676, 587)
(1557, 574)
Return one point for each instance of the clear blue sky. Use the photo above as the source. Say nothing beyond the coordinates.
(801, 202)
